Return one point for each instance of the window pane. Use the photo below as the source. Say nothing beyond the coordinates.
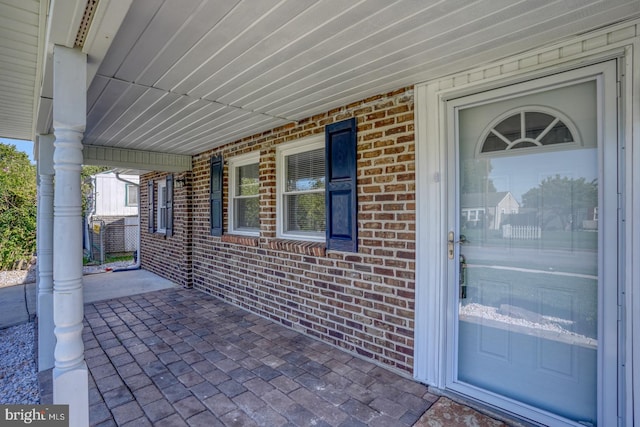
(162, 206)
(493, 143)
(536, 123)
(557, 135)
(510, 127)
(247, 213)
(305, 171)
(305, 212)
(163, 218)
(247, 180)
(132, 195)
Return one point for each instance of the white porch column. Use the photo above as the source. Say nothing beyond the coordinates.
(46, 337)
(70, 376)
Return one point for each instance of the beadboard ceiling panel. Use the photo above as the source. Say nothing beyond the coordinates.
(448, 40)
(314, 52)
(230, 69)
(440, 55)
(19, 63)
(185, 76)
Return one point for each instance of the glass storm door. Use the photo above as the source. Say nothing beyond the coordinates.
(527, 248)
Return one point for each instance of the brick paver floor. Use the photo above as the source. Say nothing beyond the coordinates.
(179, 357)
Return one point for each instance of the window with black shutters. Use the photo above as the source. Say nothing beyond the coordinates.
(316, 188)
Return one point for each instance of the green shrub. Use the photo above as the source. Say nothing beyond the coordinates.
(17, 207)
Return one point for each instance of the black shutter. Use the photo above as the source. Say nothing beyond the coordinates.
(341, 192)
(150, 212)
(169, 205)
(215, 196)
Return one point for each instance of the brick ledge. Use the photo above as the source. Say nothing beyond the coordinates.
(298, 247)
(239, 240)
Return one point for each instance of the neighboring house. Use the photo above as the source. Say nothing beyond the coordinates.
(591, 220)
(302, 160)
(492, 208)
(114, 202)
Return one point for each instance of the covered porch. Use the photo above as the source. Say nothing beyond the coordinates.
(179, 357)
(161, 87)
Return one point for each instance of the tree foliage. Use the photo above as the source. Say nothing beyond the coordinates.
(475, 177)
(17, 207)
(248, 209)
(562, 199)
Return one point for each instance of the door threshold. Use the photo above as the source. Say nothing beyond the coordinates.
(485, 409)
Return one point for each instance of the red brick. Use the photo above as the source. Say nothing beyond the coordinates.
(333, 296)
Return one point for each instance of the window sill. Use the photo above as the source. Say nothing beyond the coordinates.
(239, 240)
(298, 247)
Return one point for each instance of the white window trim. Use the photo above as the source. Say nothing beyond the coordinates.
(129, 189)
(159, 186)
(235, 163)
(282, 151)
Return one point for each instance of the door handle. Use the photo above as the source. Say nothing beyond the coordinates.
(450, 244)
(451, 241)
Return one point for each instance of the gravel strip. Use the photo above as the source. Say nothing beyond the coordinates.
(18, 372)
(19, 277)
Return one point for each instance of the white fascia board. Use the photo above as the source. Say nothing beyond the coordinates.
(42, 55)
(123, 158)
(64, 20)
(44, 116)
(62, 23)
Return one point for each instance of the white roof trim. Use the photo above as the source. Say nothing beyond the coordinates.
(123, 158)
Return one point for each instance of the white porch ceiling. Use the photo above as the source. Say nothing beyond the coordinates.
(185, 76)
(21, 37)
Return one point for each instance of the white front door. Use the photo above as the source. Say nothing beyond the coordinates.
(532, 264)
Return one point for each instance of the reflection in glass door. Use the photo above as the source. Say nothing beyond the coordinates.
(527, 253)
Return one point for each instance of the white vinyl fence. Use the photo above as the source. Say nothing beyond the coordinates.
(521, 232)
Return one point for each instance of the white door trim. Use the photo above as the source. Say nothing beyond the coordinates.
(431, 171)
(605, 75)
(631, 231)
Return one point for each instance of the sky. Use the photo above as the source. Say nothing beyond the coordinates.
(519, 174)
(24, 146)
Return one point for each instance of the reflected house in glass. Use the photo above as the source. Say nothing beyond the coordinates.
(487, 210)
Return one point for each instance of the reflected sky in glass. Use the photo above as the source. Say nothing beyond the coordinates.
(514, 173)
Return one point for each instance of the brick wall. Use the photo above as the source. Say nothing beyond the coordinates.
(168, 256)
(362, 302)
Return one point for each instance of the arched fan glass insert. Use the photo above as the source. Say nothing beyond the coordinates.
(528, 127)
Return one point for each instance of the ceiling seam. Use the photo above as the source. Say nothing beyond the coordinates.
(232, 40)
(198, 99)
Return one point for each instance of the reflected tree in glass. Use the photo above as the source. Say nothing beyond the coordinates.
(562, 201)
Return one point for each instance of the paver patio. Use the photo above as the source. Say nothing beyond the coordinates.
(180, 357)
